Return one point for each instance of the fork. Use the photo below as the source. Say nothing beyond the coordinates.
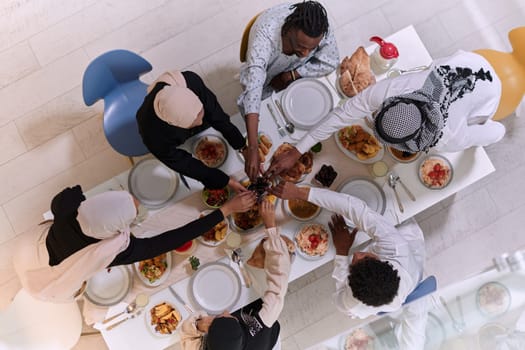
(280, 128)
(123, 320)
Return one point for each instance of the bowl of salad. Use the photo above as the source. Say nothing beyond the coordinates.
(215, 198)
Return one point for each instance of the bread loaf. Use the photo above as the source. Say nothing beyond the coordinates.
(355, 73)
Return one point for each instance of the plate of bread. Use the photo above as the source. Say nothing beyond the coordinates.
(355, 74)
(301, 168)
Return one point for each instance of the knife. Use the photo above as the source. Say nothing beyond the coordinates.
(407, 190)
(184, 181)
(180, 300)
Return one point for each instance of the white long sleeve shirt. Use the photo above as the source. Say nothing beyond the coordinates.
(469, 118)
(402, 246)
(277, 268)
(265, 58)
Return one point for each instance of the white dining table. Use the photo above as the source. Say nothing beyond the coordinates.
(469, 166)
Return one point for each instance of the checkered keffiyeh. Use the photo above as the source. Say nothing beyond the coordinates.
(413, 122)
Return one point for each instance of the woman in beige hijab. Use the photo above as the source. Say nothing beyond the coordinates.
(177, 107)
(88, 235)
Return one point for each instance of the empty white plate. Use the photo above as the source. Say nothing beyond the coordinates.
(366, 190)
(215, 287)
(152, 183)
(109, 286)
(306, 102)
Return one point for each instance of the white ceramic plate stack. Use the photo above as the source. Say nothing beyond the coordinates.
(109, 286)
(306, 102)
(152, 183)
(352, 155)
(366, 190)
(215, 287)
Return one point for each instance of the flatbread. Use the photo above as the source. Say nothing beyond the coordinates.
(355, 73)
(258, 255)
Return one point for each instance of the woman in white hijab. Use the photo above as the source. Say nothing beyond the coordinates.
(87, 236)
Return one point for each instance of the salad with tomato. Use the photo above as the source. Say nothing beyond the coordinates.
(435, 172)
(215, 198)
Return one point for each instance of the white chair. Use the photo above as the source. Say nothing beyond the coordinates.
(31, 324)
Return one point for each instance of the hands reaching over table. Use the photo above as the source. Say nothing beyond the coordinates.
(288, 190)
(240, 203)
(283, 162)
(236, 186)
(343, 239)
(267, 212)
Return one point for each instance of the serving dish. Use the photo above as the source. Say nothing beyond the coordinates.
(215, 198)
(153, 272)
(152, 183)
(357, 142)
(215, 287)
(366, 190)
(435, 172)
(163, 319)
(312, 241)
(306, 102)
(216, 235)
(109, 286)
(402, 157)
(212, 150)
(493, 299)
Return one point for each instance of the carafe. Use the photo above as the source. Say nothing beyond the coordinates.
(383, 57)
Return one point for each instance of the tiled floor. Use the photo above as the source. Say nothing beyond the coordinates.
(49, 139)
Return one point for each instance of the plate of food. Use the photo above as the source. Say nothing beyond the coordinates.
(366, 190)
(301, 168)
(265, 146)
(109, 286)
(250, 220)
(358, 339)
(215, 198)
(306, 102)
(153, 272)
(163, 319)
(493, 299)
(313, 241)
(152, 183)
(226, 288)
(301, 210)
(357, 141)
(211, 150)
(216, 235)
(402, 156)
(435, 172)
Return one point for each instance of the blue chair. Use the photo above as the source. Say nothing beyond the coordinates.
(425, 287)
(114, 77)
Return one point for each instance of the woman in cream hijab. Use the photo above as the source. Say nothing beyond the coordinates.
(177, 107)
(88, 235)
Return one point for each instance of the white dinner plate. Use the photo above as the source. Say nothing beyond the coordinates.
(352, 155)
(366, 190)
(109, 286)
(306, 102)
(215, 287)
(158, 281)
(152, 183)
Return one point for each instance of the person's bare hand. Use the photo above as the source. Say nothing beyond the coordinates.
(283, 162)
(203, 324)
(288, 190)
(236, 185)
(343, 239)
(267, 212)
(252, 164)
(240, 203)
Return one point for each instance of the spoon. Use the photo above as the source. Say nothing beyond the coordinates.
(237, 259)
(397, 72)
(289, 126)
(392, 184)
(129, 309)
